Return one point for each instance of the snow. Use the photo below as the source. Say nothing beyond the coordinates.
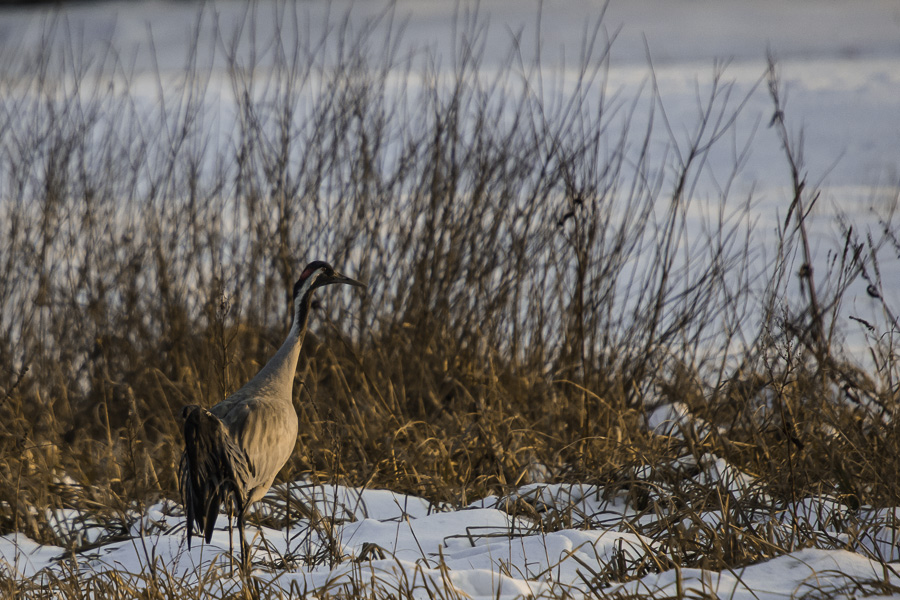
(839, 65)
(476, 551)
(24, 558)
(840, 62)
(829, 573)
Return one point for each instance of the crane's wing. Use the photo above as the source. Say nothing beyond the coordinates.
(266, 432)
(211, 467)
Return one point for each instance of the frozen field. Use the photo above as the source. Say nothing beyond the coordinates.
(839, 61)
(839, 65)
(543, 541)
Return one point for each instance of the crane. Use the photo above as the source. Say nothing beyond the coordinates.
(233, 450)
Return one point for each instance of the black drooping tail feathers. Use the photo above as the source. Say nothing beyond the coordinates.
(207, 473)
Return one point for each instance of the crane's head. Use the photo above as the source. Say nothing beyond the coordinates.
(317, 274)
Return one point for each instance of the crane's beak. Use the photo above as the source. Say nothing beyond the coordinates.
(340, 278)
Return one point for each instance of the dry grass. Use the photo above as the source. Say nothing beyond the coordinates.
(535, 281)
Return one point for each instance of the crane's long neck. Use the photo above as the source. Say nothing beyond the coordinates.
(277, 377)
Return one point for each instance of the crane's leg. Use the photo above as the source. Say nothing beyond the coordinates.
(231, 537)
(245, 559)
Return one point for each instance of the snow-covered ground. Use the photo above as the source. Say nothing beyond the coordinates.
(840, 61)
(382, 544)
(840, 64)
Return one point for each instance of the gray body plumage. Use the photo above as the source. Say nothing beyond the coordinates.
(234, 450)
